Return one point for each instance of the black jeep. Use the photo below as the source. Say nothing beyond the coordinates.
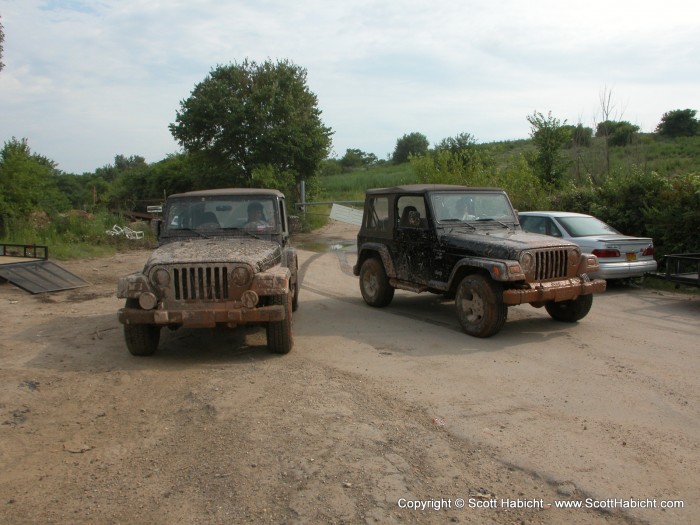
(223, 259)
(467, 243)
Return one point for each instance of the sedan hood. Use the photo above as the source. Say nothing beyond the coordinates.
(501, 244)
(258, 253)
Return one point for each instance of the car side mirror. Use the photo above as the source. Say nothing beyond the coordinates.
(155, 227)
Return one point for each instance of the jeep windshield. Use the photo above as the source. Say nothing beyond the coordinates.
(221, 215)
(453, 207)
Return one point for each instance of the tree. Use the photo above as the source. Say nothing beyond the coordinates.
(356, 158)
(620, 133)
(28, 182)
(121, 164)
(679, 123)
(549, 135)
(460, 142)
(247, 116)
(412, 144)
(581, 136)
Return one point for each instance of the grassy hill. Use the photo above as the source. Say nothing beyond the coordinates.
(666, 157)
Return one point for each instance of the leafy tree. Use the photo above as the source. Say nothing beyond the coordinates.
(679, 123)
(549, 135)
(673, 219)
(356, 158)
(622, 199)
(331, 167)
(581, 136)
(412, 144)
(28, 182)
(121, 164)
(460, 142)
(477, 167)
(245, 116)
(84, 192)
(620, 133)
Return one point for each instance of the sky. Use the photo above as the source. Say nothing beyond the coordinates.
(86, 80)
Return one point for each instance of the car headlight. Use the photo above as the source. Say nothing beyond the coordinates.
(574, 257)
(240, 276)
(161, 278)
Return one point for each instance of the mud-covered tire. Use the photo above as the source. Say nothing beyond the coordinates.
(141, 339)
(294, 289)
(279, 333)
(374, 284)
(479, 304)
(570, 311)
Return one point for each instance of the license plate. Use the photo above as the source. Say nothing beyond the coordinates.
(631, 256)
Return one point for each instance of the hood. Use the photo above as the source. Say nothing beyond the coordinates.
(500, 244)
(258, 253)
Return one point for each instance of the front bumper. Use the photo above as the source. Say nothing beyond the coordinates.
(563, 290)
(229, 314)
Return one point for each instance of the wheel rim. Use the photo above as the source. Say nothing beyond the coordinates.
(371, 284)
(472, 305)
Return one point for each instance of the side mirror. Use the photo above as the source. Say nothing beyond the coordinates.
(155, 227)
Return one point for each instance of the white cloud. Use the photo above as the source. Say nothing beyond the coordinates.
(86, 80)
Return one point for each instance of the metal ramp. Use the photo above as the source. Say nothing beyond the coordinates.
(28, 267)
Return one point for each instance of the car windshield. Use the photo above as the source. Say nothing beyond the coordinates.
(471, 206)
(586, 226)
(221, 213)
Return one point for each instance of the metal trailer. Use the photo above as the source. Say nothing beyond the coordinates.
(28, 267)
(683, 268)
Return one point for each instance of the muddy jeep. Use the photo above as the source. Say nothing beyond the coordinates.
(467, 243)
(223, 259)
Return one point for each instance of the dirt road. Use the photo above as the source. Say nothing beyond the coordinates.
(374, 412)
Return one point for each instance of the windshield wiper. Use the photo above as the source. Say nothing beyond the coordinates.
(491, 219)
(191, 230)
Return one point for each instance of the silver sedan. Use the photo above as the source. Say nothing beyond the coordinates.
(620, 256)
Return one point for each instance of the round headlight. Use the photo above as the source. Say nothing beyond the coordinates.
(161, 278)
(526, 261)
(240, 276)
(574, 257)
(249, 299)
(147, 301)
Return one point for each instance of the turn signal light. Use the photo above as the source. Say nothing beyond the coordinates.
(606, 253)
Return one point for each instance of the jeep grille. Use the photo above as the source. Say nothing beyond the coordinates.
(199, 282)
(551, 264)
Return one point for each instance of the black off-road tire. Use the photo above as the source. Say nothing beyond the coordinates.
(479, 305)
(141, 339)
(295, 291)
(374, 284)
(279, 333)
(570, 311)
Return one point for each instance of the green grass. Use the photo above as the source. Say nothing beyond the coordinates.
(352, 186)
(75, 237)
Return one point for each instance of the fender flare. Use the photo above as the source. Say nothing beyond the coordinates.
(382, 250)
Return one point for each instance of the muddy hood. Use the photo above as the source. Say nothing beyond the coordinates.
(500, 244)
(258, 253)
